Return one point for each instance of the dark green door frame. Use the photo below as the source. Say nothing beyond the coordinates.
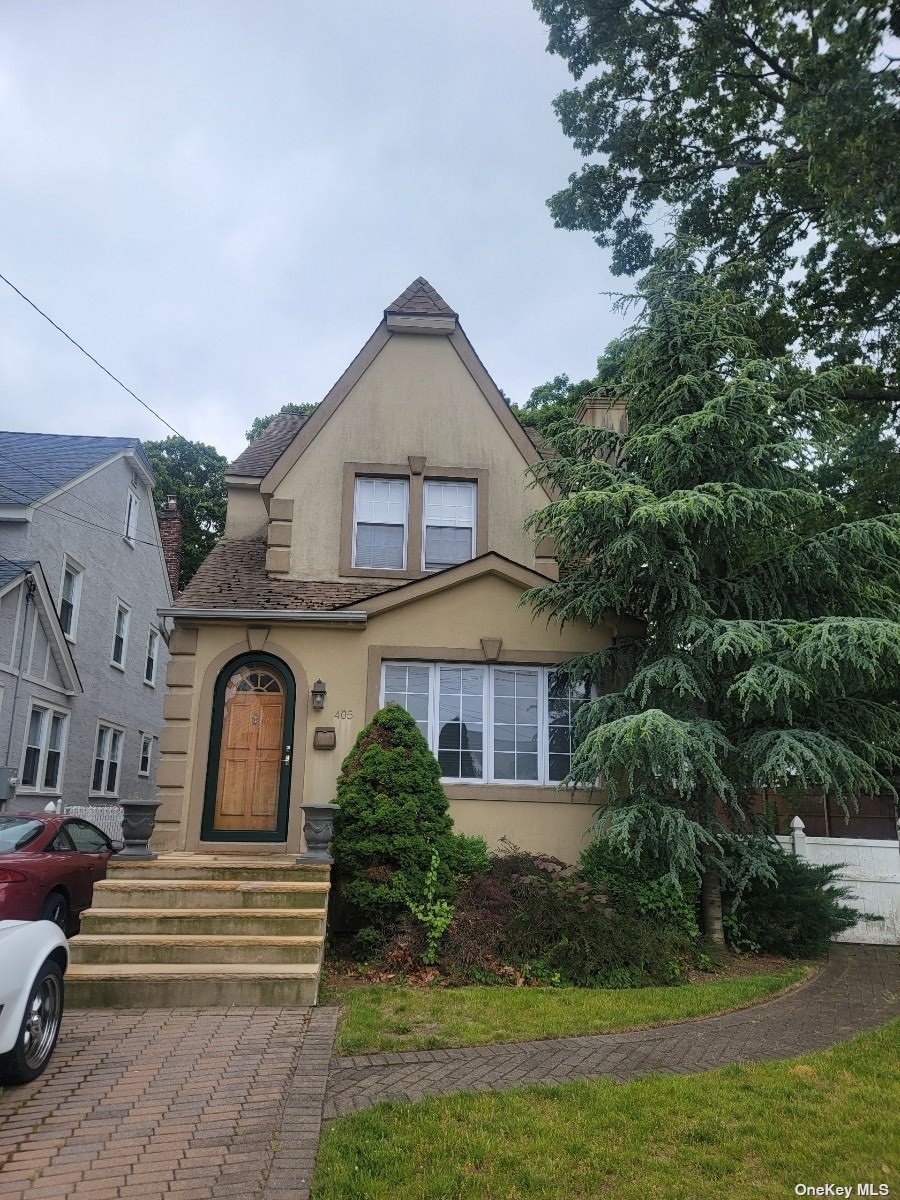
(279, 834)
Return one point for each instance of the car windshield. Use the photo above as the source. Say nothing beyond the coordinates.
(16, 832)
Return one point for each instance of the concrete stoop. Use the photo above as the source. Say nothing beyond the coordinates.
(186, 930)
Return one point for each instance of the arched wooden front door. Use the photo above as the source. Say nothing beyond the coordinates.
(249, 772)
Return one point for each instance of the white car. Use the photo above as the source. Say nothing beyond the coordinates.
(34, 956)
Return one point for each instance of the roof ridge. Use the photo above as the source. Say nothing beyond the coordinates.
(418, 299)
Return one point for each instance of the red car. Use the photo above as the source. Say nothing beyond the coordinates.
(48, 867)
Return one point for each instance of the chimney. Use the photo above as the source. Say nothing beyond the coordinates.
(603, 412)
(170, 532)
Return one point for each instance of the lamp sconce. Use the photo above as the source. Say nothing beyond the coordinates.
(318, 693)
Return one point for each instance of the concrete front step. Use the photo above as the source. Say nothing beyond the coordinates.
(190, 985)
(194, 948)
(248, 922)
(216, 894)
(214, 866)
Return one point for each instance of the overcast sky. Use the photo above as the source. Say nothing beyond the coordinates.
(219, 198)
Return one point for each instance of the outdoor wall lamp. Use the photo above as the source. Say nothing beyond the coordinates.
(318, 694)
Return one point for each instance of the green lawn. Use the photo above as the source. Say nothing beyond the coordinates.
(378, 1018)
(741, 1133)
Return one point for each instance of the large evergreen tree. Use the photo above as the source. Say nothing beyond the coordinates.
(770, 647)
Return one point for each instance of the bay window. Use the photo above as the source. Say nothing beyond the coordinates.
(490, 724)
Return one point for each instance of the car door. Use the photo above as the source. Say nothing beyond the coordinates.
(91, 852)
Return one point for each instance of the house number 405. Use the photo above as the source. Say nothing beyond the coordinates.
(344, 714)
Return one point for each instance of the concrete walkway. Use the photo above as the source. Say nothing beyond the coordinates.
(203, 1104)
(858, 990)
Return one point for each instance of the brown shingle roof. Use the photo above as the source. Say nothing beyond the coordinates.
(262, 454)
(540, 443)
(233, 575)
(420, 297)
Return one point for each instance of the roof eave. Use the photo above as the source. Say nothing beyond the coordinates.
(352, 618)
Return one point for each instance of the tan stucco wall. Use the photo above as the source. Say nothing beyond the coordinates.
(449, 625)
(416, 398)
(246, 516)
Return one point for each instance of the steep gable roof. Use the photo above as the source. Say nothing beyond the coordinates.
(420, 299)
(418, 303)
(35, 465)
(12, 572)
(264, 451)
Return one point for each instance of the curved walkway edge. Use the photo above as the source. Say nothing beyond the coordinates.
(858, 989)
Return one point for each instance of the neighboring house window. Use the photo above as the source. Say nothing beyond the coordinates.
(449, 525)
(107, 757)
(131, 515)
(379, 523)
(70, 598)
(146, 754)
(498, 724)
(45, 747)
(120, 636)
(152, 654)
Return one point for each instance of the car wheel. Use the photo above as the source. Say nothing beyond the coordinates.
(56, 909)
(39, 1029)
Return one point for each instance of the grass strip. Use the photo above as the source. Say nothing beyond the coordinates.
(382, 1018)
(744, 1133)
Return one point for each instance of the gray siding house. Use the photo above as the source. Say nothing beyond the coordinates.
(82, 652)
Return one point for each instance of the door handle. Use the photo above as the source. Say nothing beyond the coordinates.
(286, 761)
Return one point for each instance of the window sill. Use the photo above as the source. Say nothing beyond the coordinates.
(150, 683)
(103, 795)
(129, 541)
(38, 793)
(118, 666)
(540, 793)
(380, 573)
(70, 638)
(143, 774)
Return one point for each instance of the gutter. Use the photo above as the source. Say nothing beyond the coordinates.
(266, 616)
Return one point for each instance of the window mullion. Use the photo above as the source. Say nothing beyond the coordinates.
(434, 686)
(543, 725)
(489, 725)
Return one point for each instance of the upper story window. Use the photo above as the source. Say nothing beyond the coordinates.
(70, 598)
(145, 755)
(380, 514)
(131, 515)
(45, 746)
(449, 524)
(120, 635)
(152, 656)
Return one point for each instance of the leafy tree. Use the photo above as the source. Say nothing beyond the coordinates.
(260, 424)
(194, 474)
(771, 129)
(558, 400)
(393, 816)
(765, 650)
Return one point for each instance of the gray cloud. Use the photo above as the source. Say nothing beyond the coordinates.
(219, 198)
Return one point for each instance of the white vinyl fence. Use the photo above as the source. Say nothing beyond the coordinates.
(870, 867)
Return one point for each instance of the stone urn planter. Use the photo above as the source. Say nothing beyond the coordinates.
(138, 821)
(318, 829)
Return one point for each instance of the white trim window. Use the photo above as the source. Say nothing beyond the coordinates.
(70, 597)
(152, 657)
(380, 508)
(490, 724)
(107, 760)
(449, 524)
(45, 748)
(132, 509)
(146, 755)
(120, 636)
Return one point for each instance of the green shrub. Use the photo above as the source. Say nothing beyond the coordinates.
(392, 817)
(642, 888)
(468, 856)
(563, 931)
(796, 915)
(531, 918)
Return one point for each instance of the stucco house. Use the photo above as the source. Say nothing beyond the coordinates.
(375, 551)
(82, 652)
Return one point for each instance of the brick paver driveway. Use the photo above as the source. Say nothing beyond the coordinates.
(189, 1103)
(858, 989)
